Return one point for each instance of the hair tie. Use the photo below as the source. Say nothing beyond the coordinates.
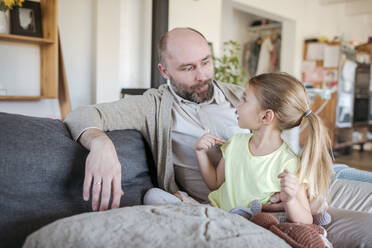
(307, 113)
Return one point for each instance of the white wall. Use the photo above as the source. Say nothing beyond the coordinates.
(20, 69)
(107, 50)
(76, 21)
(334, 20)
(241, 22)
(203, 15)
(135, 43)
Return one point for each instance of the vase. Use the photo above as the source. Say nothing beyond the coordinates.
(4, 22)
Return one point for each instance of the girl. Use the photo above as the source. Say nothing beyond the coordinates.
(258, 165)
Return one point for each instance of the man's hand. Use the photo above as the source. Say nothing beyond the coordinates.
(102, 170)
(289, 186)
(207, 141)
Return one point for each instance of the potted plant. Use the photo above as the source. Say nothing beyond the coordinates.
(228, 68)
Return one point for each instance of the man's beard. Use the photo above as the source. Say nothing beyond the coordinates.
(189, 93)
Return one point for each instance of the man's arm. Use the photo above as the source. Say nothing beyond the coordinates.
(127, 113)
(102, 170)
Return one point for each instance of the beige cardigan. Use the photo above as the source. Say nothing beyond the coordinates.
(150, 114)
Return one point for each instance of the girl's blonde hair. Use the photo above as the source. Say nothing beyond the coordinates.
(286, 96)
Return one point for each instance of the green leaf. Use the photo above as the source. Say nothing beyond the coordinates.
(227, 68)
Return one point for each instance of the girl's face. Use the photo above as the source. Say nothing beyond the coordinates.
(249, 110)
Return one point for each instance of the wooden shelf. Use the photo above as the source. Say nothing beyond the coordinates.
(25, 39)
(343, 145)
(361, 124)
(366, 48)
(264, 27)
(20, 98)
(349, 143)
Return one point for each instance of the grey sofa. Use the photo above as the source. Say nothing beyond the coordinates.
(41, 177)
(42, 171)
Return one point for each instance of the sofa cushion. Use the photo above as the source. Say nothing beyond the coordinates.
(173, 225)
(351, 212)
(351, 195)
(42, 172)
(349, 229)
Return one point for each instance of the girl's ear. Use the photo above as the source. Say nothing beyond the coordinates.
(268, 117)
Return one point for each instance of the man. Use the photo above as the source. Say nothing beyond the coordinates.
(171, 119)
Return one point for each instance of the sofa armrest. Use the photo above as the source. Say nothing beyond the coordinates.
(345, 172)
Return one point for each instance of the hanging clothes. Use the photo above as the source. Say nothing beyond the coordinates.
(254, 57)
(246, 57)
(275, 53)
(254, 60)
(265, 58)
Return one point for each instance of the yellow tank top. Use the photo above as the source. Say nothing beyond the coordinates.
(249, 177)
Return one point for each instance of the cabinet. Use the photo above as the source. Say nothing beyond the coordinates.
(355, 126)
(48, 53)
(347, 111)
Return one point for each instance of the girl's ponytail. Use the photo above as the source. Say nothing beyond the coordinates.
(315, 159)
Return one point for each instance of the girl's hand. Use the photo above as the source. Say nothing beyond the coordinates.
(289, 186)
(207, 141)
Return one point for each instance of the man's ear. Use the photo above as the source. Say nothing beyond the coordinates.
(163, 71)
(268, 116)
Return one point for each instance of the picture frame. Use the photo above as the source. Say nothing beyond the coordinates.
(26, 20)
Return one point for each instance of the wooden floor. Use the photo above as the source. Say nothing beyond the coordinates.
(357, 159)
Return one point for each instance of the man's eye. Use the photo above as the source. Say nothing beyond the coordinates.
(205, 62)
(188, 68)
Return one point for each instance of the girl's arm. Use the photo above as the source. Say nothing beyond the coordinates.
(294, 197)
(213, 177)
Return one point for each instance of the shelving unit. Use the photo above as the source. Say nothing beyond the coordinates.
(356, 133)
(53, 83)
(353, 131)
(48, 53)
(328, 111)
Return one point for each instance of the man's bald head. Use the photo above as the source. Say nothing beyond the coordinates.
(185, 60)
(172, 35)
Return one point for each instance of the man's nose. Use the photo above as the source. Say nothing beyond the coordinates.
(202, 74)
